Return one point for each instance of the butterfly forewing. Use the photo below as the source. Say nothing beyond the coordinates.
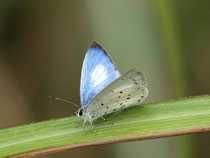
(98, 72)
(128, 90)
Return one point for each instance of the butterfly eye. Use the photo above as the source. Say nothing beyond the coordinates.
(80, 112)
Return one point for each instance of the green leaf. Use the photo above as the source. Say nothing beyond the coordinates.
(147, 121)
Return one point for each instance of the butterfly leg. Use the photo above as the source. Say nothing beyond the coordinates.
(94, 130)
(110, 123)
(78, 123)
(83, 126)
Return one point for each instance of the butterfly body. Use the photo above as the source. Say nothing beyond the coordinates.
(103, 90)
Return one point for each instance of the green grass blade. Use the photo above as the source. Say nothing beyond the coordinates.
(147, 121)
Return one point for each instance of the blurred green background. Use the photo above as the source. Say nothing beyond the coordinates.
(43, 43)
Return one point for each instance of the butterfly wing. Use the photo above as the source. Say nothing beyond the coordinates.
(128, 90)
(98, 72)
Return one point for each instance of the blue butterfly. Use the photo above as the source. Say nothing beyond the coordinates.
(103, 90)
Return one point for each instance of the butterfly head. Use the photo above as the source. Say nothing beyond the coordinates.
(79, 112)
(84, 115)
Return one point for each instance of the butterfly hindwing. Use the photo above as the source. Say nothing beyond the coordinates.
(98, 72)
(128, 90)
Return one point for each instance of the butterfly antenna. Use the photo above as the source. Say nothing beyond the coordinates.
(64, 100)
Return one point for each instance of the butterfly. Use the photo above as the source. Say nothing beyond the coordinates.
(103, 90)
